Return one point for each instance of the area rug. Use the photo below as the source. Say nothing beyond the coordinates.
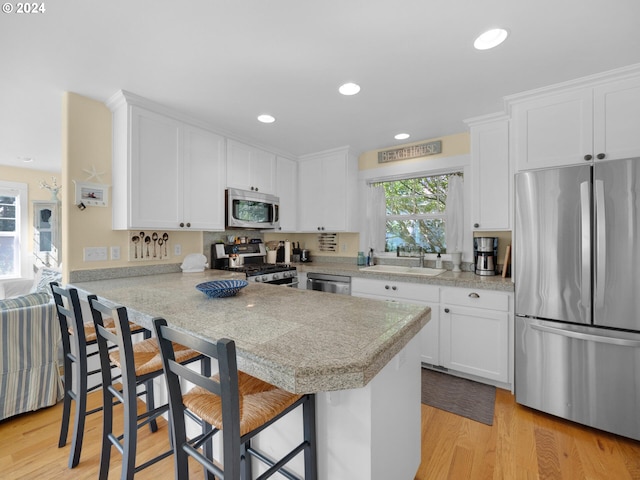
(463, 397)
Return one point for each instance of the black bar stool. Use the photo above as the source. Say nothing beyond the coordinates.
(233, 402)
(139, 363)
(76, 337)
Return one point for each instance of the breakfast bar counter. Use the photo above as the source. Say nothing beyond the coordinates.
(360, 356)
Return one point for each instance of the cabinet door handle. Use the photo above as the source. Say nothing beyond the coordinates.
(394, 288)
(188, 224)
(600, 156)
(476, 225)
(588, 157)
(386, 287)
(446, 310)
(181, 224)
(474, 295)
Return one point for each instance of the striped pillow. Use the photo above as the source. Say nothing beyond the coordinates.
(29, 300)
(43, 278)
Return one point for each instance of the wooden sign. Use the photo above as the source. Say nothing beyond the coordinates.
(413, 151)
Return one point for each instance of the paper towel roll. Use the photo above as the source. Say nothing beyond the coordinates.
(287, 251)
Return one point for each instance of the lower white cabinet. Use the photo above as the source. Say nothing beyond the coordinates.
(418, 293)
(470, 329)
(474, 332)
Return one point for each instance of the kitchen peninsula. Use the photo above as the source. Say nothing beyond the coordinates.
(360, 356)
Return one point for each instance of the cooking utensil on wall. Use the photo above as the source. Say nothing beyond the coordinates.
(135, 239)
(154, 237)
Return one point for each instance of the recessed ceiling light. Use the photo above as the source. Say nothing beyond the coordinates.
(264, 118)
(490, 38)
(349, 89)
(402, 136)
(26, 159)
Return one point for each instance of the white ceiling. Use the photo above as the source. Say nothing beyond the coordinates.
(226, 61)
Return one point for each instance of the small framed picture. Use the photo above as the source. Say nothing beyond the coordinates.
(92, 194)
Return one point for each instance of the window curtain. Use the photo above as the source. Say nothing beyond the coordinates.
(376, 217)
(454, 211)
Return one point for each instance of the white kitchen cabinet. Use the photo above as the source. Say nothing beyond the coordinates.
(491, 185)
(249, 168)
(474, 332)
(287, 191)
(167, 174)
(328, 192)
(417, 293)
(571, 125)
(203, 184)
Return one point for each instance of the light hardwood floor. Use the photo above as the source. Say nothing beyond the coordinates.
(521, 444)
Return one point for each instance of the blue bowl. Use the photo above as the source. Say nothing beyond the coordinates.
(221, 288)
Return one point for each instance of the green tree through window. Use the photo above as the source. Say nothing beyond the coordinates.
(416, 213)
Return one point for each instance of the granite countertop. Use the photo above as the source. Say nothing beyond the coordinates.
(302, 341)
(448, 278)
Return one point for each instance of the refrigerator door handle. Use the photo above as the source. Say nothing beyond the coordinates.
(624, 342)
(585, 235)
(601, 243)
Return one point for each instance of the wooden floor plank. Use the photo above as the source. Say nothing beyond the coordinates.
(522, 444)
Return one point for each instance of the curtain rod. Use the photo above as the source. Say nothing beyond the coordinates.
(379, 181)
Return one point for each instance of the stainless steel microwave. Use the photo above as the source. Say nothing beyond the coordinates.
(249, 209)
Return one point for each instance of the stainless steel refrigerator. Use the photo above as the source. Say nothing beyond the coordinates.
(577, 300)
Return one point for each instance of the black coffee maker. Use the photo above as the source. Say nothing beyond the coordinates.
(485, 253)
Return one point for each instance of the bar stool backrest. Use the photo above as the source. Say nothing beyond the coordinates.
(121, 339)
(224, 352)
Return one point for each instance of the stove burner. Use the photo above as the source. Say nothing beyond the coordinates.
(280, 274)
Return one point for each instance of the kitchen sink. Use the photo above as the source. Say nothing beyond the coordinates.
(400, 270)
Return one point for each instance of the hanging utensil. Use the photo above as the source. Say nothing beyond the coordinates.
(165, 237)
(147, 240)
(154, 236)
(135, 239)
(160, 242)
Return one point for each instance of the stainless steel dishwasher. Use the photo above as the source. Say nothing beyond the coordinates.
(324, 282)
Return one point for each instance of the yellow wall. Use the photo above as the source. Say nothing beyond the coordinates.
(86, 144)
(452, 145)
(32, 178)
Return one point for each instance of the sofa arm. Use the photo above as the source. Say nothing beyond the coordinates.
(15, 288)
(29, 376)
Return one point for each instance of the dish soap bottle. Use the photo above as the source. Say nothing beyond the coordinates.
(370, 258)
(438, 261)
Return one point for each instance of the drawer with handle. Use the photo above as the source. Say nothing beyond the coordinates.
(476, 298)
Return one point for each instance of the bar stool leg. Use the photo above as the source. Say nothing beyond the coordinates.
(309, 427)
(130, 434)
(107, 429)
(80, 416)
(66, 403)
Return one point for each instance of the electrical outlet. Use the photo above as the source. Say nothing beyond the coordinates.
(115, 253)
(95, 254)
(177, 249)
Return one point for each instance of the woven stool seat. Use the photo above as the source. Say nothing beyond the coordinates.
(109, 324)
(259, 402)
(147, 358)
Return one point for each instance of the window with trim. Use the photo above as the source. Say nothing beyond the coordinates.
(415, 212)
(12, 227)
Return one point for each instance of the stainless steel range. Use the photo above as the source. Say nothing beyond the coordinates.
(249, 258)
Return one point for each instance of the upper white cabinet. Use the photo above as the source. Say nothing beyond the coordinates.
(287, 191)
(491, 184)
(328, 192)
(597, 119)
(249, 168)
(167, 174)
